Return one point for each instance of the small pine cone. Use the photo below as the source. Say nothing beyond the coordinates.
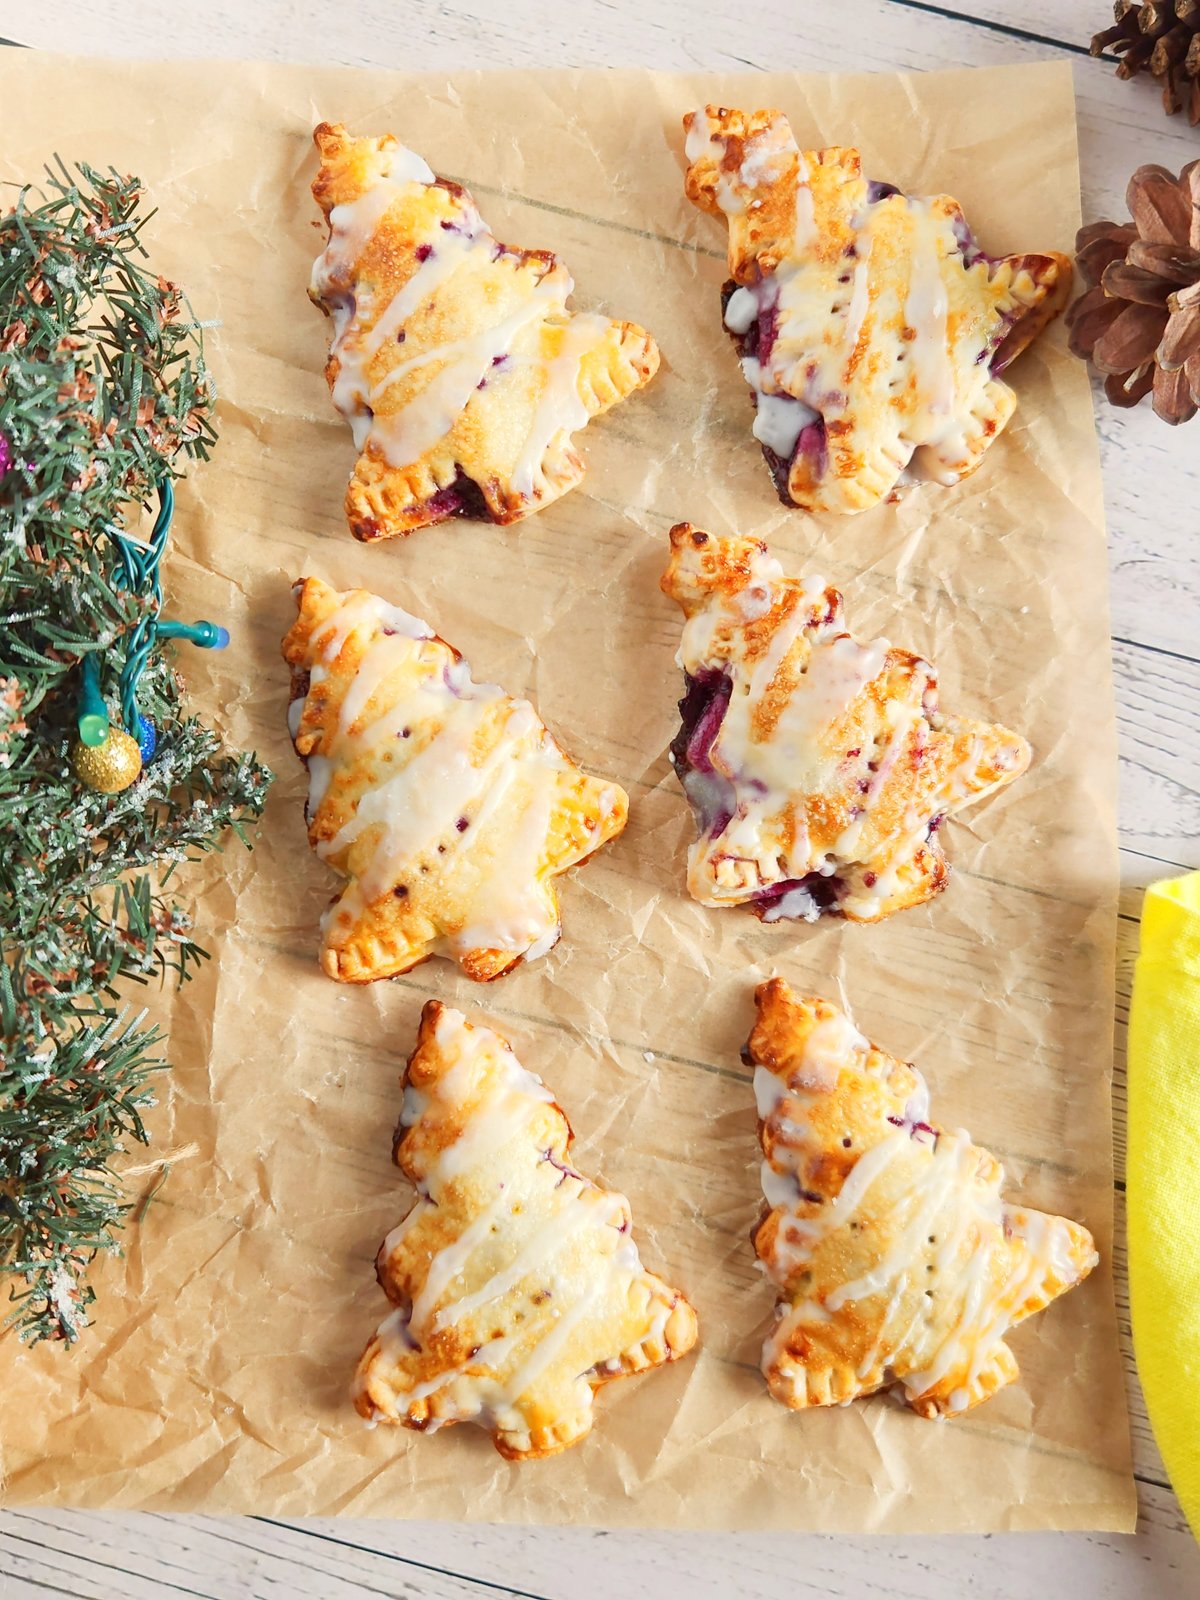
(1138, 321)
(1163, 35)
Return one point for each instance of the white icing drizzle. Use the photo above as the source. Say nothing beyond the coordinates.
(769, 771)
(353, 225)
(437, 268)
(860, 300)
(701, 142)
(351, 229)
(831, 1041)
(794, 905)
(806, 222)
(593, 1207)
(788, 756)
(366, 334)
(560, 410)
(406, 435)
(419, 805)
(838, 671)
(461, 752)
(924, 399)
(741, 311)
(779, 419)
(925, 313)
(942, 1198)
(360, 609)
(536, 1228)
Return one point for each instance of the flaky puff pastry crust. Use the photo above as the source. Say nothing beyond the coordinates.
(446, 803)
(897, 1259)
(454, 357)
(819, 768)
(517, 1285)
(871, 327)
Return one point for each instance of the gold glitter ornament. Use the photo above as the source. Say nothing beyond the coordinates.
(108, 767)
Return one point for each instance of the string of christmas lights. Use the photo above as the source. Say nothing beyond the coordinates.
(105, 757)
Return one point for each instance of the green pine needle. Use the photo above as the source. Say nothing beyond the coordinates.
(103, 395)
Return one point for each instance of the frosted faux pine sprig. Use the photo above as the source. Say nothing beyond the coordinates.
(104, 395)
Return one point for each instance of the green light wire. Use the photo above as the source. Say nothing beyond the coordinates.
(140, 564)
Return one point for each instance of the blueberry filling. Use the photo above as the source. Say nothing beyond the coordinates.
(814, 443)
(403, 1324)
(801, 899)
(701, 713)
(782, 415)
(1006, 342)
(497, 361)
(780, 471)
(915, 1129)
(1011, 338)
(713, 799)
(559, 1166)
(877, 191)
(445, 502)
(462, 498)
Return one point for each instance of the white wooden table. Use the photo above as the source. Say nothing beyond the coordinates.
(1152, 480)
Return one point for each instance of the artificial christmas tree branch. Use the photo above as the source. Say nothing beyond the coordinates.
(104, 396)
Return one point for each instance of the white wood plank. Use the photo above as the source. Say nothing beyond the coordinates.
(133, 1558)
(1158, 719)
(1150, 476)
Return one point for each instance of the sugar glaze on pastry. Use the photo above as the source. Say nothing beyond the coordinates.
(897, 1259)
(819, 768)
(454, 357)
(871, 327)
(517, 1284)
(445, 802)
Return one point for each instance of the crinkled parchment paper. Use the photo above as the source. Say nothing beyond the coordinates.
(217, 1377)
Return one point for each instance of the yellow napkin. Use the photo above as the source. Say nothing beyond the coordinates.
(1164, 1177)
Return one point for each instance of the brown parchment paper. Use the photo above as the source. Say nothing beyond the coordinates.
(216, 1378)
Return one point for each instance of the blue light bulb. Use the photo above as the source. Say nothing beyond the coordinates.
(147, 739)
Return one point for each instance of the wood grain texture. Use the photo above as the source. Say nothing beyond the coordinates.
(1151, 475)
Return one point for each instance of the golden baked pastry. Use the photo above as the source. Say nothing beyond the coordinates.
(454, 358)
(517, 1284)
(897, 1260)
(819, 768)
(446, 803)
(871, 327)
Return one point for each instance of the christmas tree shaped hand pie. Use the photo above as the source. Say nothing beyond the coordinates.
(819, 768)
(517, 1283)
(454, 358)
(871, 327)
(446, 802)
(897, 1259)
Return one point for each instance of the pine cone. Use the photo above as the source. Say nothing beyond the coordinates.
(1138, 321)
(1166, 37)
